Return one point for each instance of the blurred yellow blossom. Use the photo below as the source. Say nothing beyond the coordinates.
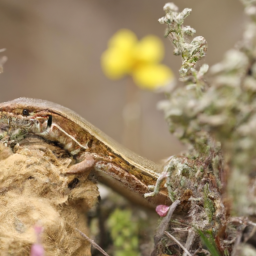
(140, 59)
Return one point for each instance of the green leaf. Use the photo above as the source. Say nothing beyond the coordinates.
(209, 243)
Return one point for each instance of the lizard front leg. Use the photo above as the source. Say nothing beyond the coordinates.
(118, 178)
(106, 170)
(86, 165)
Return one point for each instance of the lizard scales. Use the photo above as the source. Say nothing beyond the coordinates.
(119, 168)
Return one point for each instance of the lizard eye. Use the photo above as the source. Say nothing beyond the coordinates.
(25, 112)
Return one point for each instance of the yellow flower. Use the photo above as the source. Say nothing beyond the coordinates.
(140, 59)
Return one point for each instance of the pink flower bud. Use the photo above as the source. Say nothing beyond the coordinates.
(162, 210)
(37, 250)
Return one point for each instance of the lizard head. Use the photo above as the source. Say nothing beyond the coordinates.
(25, 107)
(20, 114)
(43, 118)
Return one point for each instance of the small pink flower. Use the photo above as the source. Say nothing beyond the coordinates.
(162, 210)
(37, 249)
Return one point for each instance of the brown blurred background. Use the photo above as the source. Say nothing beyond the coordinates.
(54, 49)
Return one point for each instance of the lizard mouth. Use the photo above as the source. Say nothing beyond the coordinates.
(41, 123)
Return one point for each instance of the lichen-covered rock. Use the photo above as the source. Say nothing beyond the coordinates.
(34, 191)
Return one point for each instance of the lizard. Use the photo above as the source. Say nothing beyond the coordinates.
(114, 165)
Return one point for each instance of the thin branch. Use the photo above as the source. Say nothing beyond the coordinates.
(165, 222)
(92, 242)
(201, 251)
(175, 240)
(252, 223)
(163, 226)
(238, 241)
(190, 240)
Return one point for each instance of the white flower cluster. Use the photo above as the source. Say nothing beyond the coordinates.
(192, 51)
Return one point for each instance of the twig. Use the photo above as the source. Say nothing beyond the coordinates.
(201, 251)
(174, 239)
(163, 226)
(92, 242)
(250, 232)
(190, 240)
(196, 252)
(238, 240)
(165, 222)
(252, 223)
